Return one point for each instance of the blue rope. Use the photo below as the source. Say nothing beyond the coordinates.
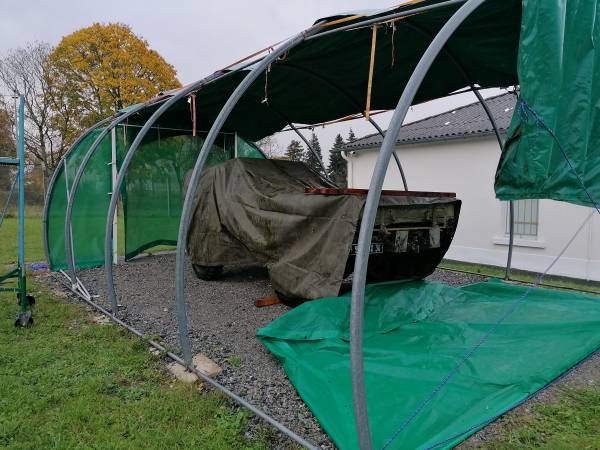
(7, 202)
(526, 113)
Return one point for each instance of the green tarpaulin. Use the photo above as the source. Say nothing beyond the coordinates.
(560, 90)
(415, 335)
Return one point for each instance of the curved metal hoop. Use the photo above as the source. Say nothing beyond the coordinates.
(456, 62)
(69, 250)
(184, 222)
(52, 182)
(110, 286)
(370, 210)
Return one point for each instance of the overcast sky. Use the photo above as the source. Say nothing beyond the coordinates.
(197, 37)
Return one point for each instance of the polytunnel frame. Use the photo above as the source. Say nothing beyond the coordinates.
(55, 175)
(69, 250)
(367, 224)
(369, 211)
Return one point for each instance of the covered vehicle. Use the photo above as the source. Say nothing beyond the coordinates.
(286, 217)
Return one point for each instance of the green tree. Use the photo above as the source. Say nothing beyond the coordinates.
(7, 143)
(103, 68)
(351, 136)
(337, 169)
(311, 159)
(7, 148)
(295, 151)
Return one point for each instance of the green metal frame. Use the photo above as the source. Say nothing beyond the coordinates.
(24, 316)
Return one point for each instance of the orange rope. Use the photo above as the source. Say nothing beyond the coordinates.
(342, 20)
(393, 44)
(371, 69)
(193, 112)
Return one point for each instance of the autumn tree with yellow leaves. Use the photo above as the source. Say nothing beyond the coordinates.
(90, 75)
(105, 67)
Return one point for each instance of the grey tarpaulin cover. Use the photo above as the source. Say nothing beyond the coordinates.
(251, 210)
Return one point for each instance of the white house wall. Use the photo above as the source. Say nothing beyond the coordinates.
(467, 167)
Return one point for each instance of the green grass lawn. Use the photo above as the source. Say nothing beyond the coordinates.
(526, 277)
(34, 247)
(571, 423)
(68, 383)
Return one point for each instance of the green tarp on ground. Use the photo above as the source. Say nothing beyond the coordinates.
(560, 85)
(415, 335)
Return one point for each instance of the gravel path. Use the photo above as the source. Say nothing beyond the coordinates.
(223, 322)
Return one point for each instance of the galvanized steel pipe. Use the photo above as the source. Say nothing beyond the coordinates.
(370, 211)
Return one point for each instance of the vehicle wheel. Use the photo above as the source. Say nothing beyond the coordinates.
(24, 319)
(290, 301)
(208, 273)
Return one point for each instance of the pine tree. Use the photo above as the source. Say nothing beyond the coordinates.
(294, 151)
(311, 159)
(351, 136)
(337, 169)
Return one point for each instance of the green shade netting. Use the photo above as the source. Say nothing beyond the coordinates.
(152, 194)
(415, 335)
(96, 185)
(560, 90)
(92, 198)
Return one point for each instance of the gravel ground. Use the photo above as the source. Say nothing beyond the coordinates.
(223, 322)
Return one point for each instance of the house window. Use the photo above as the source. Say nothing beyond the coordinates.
(526, 218)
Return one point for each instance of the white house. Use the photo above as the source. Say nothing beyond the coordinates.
(457, 151)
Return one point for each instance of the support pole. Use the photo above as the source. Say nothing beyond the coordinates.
(75, 185)
(511, 238)
(511, 210)
(24, 303)
(53, 179)
(184, 222)
(511, 204)
(370, 211)
(112, 207)
(113, 169)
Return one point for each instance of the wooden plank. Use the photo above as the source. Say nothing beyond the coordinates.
(266, 301)
(334, 191)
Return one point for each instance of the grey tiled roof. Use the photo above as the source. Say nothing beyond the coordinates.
(463, 122)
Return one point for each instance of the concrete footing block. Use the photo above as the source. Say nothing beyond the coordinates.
(202, 362)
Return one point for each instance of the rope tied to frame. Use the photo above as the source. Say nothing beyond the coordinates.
(371, 70)
(527, 114)
(393, 25)
(192, 98)
(267, 71)
(125, 132)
